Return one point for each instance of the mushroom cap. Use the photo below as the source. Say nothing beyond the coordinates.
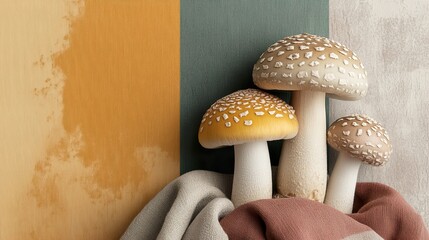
(310, 62)
(362, 137)
(246, 116)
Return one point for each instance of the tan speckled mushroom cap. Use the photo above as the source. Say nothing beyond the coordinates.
(246, 116)
(362, 137)
(310, 62)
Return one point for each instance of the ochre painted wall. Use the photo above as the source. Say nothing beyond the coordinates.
(89, 102)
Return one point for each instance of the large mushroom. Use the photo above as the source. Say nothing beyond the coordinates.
(247, 119)
(312, 67)
(359, 139)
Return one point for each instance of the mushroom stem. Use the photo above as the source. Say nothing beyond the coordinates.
(252, 173)
(302, 168)
(342, 183)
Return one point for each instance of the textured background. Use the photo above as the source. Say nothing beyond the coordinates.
(391, 38)
(87, 134)
(220, 42)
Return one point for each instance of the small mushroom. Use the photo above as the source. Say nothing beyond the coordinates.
(358, 138)
(313, 67)
(247, 119)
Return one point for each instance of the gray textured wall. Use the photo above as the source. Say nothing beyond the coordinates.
(392, 39)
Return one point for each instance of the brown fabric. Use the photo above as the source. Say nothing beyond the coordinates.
(387, 213)
(378, 208)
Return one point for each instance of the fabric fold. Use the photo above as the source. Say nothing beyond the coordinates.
(173, 210)
(197, 206)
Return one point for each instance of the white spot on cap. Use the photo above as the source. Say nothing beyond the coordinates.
(225, 116)
(341, 70)
(287, 75)
(248, 122)
(346, 133)
(265, 67)
(329, 77)
(278, 115)
(262, 60)
(302, 74)
(315, 73)
(301, 64)
(289, 66)
(228, 124)
(280, 53)
(342, 52)
(342, 82)
(245, 113)
(278, 64)
(218, 119)
(345, 62)
(259, 113)
(314, 63)
(369, 132)
(293, 56)
(308, 54)
(290, 48)
(329, 65)
(333, 56)
(319, 49)
(322, 57)
(303, 47)
(291, 116)
(359, 132)
(314, 82)
(273, 74)
(236, 119)
(270, 59)
(344, 124)
(271, 112)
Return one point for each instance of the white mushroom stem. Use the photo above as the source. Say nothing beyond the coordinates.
(252, 173)
(342, 183)
(303, 167)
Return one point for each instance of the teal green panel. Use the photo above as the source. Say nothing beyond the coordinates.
(220, 42)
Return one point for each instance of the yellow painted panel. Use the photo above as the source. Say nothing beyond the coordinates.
(89, 126)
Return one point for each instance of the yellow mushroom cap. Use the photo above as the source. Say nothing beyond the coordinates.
(362, 137)
(247, 116)
(310, 62)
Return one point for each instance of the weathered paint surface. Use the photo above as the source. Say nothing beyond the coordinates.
(391, 39)
(90, 114)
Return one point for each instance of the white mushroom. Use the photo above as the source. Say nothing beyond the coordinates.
(312, 67)
(247, 119)
(359, 139)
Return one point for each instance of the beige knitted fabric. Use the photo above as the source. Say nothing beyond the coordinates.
(189, 207)
(197, 206)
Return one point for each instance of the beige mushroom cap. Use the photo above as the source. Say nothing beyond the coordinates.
(310, 62)
(246, 116)
(362, 137)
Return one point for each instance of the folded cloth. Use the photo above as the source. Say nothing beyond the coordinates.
(380, 213)
(187, 208)
(385, 211)
(196, 206)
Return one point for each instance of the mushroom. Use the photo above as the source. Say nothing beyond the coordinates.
(312, 67)
(358, 139)
(247, 119)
